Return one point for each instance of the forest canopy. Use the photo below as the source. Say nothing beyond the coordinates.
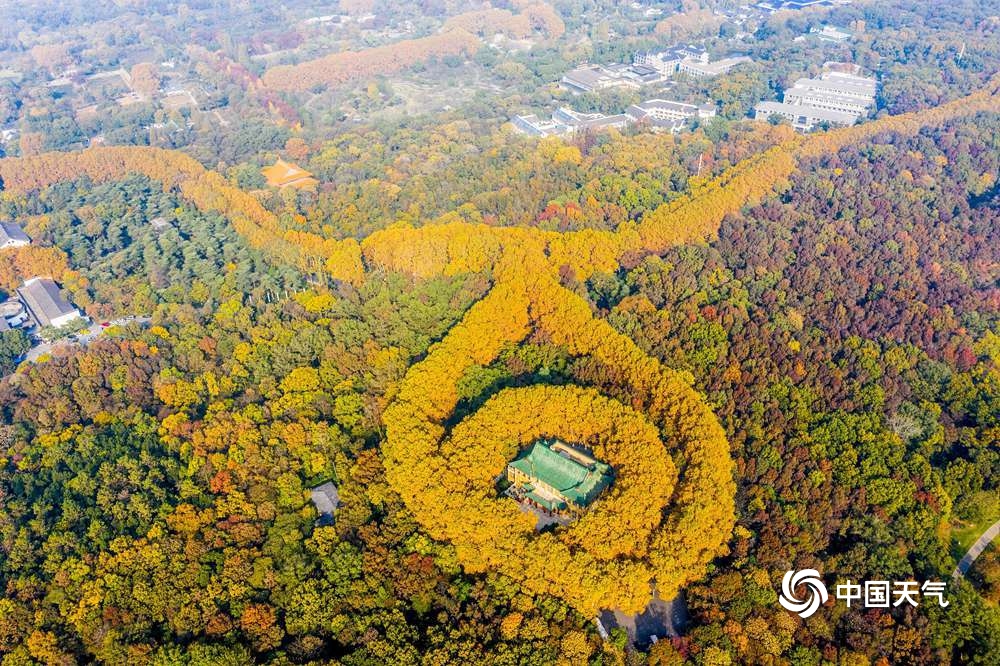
(786, 346)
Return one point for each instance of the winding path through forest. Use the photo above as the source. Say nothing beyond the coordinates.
(976, 550)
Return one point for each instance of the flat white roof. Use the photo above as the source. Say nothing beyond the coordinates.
(828, 97)
(846, 86)
(717, 66)
(667, 104)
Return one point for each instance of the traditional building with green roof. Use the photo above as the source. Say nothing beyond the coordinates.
(558, 477)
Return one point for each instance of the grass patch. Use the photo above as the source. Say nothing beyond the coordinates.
(967, 533)
(981, 510)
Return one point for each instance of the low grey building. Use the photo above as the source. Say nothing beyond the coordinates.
(11, 235)
(12, 313)
(830, 33)
(590, 78)
(534, 126)
(159, 224)
(581, 122)
(46, 304)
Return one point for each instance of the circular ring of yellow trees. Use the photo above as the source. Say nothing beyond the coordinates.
(616, 527)
(664, 519)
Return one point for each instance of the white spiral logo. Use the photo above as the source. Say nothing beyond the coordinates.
(817, 592)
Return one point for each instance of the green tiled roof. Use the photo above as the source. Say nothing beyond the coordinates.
(578, 483)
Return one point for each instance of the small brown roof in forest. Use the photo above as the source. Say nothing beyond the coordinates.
(285, 174)
(326, 498)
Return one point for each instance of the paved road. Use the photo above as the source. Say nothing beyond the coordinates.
(662, 619)
(93, 331)
(977, 548)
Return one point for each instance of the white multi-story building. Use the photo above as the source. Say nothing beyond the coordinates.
(666, 62)
(836, 98)
(566, 121)
(830, 101)
(665, 115)
(835, 91)
(703, 69)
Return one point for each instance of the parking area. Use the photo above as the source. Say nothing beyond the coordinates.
(83, 339)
